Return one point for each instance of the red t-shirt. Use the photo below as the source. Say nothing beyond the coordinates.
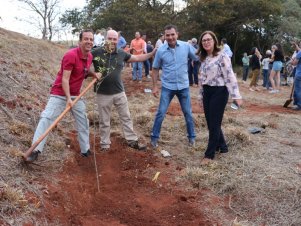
(72, 61)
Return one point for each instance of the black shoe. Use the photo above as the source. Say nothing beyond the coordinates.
(135, 144)
(33, 156)
(86, 154)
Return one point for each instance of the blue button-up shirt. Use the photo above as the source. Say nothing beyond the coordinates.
(174, 64)
(298, 67)
(121, 43)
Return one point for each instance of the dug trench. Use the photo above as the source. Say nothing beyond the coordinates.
(127, 194)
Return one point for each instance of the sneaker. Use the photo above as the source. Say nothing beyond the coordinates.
(191, 143)
(33, 156)
(136, 145)
(296, 108)
(148, 77)
(154, 143)
(140, 81)
(251, 89)
(273, 91)
(86, 154)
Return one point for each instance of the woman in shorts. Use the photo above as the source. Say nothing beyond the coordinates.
(278, 59)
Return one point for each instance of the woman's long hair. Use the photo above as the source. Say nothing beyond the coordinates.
(202, 52)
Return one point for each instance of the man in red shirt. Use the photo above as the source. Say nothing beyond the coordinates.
(74, 69)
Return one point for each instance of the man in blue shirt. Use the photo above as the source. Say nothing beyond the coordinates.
(172, 57)
(226, 47)
(121, 41)
(297, 81)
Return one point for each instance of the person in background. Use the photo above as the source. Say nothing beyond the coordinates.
(278, 59)
(146, 63)
(74, 69)
(265, 68)
(193, 66)
(160, 41)
(137, 47)
(98, 39)
(149, 49)
(111, 90)
(255, 65)
(246, 64)
(297, 79)
(173, 59)
(121, 41)
(217, 82)
(226, 47)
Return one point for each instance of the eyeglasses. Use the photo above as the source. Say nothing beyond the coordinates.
(207, 40)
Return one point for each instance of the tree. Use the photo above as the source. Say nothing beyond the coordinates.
(74, 17)
(47, 11)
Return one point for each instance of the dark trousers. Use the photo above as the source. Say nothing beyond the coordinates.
(245, 73)
(193, 72)
(146, 67)
(215, 99)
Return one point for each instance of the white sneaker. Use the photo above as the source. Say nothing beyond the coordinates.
(148, 77)
(273, 91)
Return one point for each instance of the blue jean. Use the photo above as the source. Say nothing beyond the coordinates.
(184, 98)
(146, 67)
(137, 67)
(245, 73)
(193, 72)
(265, 75)
(297, 91)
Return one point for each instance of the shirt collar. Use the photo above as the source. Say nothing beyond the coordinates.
(80, 54)
(177, 44)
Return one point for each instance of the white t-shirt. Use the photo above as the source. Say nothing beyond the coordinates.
(98, 40)
(265, 63)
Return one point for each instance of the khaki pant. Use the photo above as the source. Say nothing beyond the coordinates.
(255, 73)
(105, 103)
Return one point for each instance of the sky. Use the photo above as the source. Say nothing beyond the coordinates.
(12, 13)
(10, 10)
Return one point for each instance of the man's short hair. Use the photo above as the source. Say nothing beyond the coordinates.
(224, 40)
(83, 31)
(171, 26)
(194, 40)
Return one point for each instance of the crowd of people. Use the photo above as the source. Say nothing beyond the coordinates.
(203, 63)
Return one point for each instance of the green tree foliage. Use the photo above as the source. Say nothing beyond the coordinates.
(245, 23)
(73, 17)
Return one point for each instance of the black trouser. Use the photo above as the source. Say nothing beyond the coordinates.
(215, 99)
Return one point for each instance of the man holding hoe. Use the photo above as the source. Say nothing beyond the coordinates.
(75, 67)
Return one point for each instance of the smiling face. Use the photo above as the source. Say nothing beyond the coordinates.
(111, 40)
(171, 36)
(86, 42)
(208, 43)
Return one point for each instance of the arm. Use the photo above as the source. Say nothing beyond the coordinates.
(155, 76)
(143, 57)
(230, 80)
(66, 87)
(295, 61)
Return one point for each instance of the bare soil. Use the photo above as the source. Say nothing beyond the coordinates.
(119, 187)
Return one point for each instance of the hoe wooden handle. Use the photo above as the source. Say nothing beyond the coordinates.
(35, 144)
